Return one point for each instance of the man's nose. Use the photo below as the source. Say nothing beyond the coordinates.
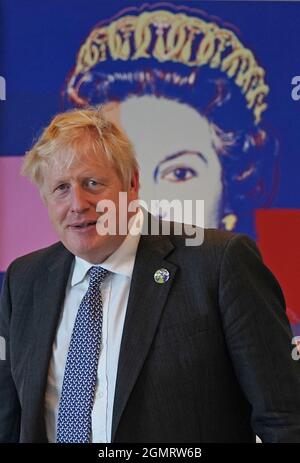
(79, 200)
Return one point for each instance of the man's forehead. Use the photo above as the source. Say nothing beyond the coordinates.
(71, 158)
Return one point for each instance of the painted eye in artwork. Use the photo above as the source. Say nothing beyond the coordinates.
(178, 174)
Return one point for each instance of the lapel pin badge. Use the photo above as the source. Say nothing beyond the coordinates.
(161, 276)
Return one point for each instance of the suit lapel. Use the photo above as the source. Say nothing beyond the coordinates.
(145, 305)
(49, 293)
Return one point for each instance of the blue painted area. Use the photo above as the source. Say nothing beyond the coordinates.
(296, 329)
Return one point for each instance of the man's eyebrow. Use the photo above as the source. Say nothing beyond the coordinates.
(58, 180)
(170, 157)
(83, 176)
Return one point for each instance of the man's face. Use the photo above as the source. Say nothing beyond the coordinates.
(72, 193)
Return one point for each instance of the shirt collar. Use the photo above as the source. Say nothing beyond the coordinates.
(121, 261)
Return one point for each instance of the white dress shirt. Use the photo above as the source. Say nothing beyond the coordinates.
(115, 292)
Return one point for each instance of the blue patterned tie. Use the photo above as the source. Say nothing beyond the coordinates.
(78, 390)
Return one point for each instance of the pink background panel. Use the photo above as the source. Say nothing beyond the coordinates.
(25, 225)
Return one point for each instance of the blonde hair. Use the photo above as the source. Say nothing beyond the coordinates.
(65, 135)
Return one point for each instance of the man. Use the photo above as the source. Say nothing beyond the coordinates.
(131, 337)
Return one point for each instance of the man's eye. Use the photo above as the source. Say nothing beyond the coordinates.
(178, 174)
(92, 183)
(61, 188)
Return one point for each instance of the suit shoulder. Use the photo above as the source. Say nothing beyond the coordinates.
(215, 244)
(34, 260)
(225, 239)
(211, 238)
(215, 237)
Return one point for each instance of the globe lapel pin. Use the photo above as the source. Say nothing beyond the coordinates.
(161, 276)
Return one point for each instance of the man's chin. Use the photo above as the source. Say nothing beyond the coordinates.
(94, 250)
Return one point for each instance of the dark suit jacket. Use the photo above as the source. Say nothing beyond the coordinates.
(205, 357)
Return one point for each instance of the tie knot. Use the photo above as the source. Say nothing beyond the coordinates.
(97, 275)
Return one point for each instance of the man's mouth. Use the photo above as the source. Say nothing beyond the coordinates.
(84, 224)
